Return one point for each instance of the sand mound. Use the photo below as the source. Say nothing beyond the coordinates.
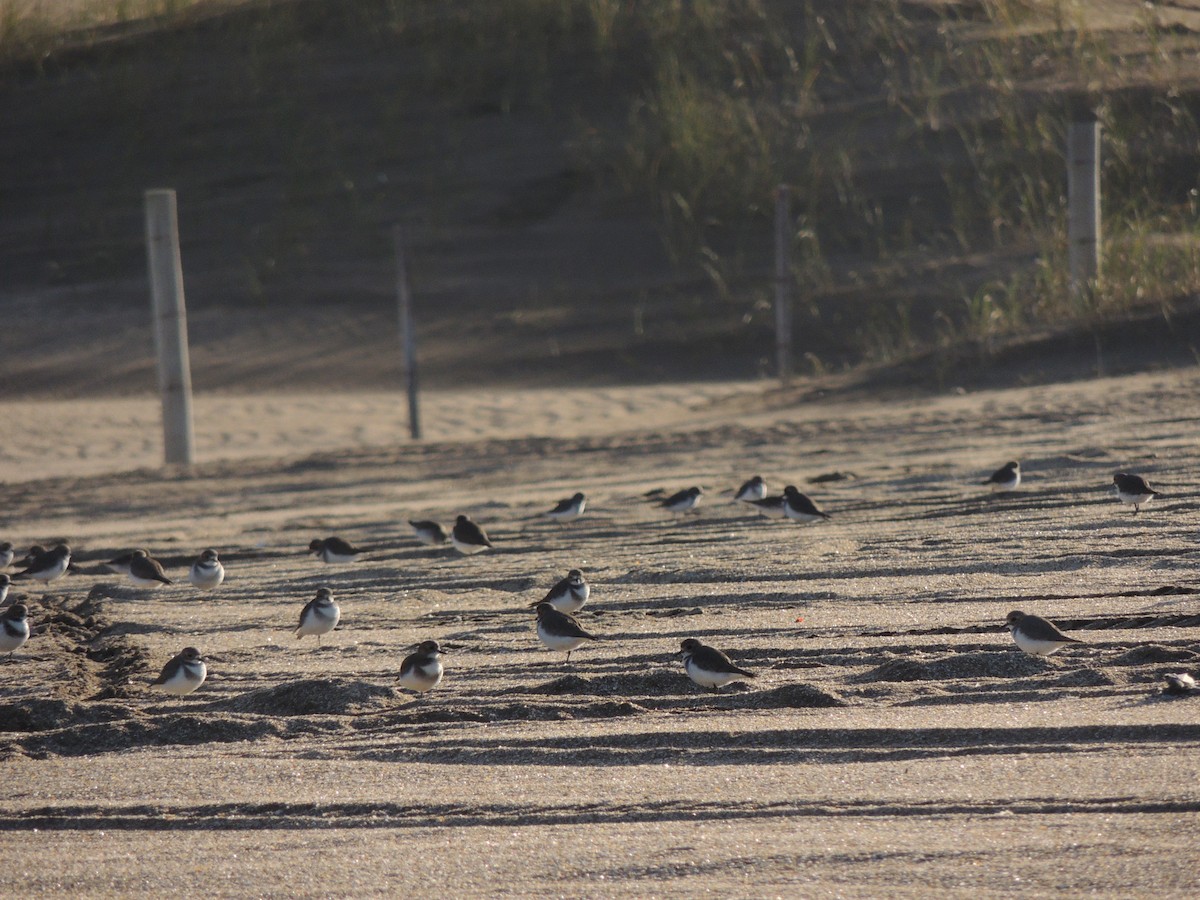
(1153, 653)
(49, 715)
(963, 665)
(648, 684)
(313, 696)
(792, 696)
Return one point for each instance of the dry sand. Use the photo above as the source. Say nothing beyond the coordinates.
(894, 744)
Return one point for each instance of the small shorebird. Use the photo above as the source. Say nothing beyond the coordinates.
(559, 631)
(1005, 478)
(752, 490)
(14, 628)
(708, 666)
(683, 501)
(5, 584)
(569, 594)
(772, 507)
(27, 560)
(184, 673)
(1134, 490)
(119, 565)
(800, 507)
(47, 565)
(145, 571)
(422, 671)
(7, 552)
(1179, 683)
(569, 509)
(429, 532)
(468, 538)
(1035, 635)
(319, 616)
(207, 572)
(334, 550)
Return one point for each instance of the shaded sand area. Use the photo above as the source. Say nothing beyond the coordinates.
(895, 742)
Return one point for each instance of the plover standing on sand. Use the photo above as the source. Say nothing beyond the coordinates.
(47, 565)
(1134, 490)
(683, 501)
(422, 671)
(754, 489)
(569, 509)
(772, 507)
(14, 628)
(145, 571)
(468, 538)
(569, 594)
(1005, 478)
(800, 507)
(429, 532)
(184, 673)
(1035, 635)
(334, 550)
(559, 631)
(119, 564)
(207, 572)
(708, 666)
(319, 616)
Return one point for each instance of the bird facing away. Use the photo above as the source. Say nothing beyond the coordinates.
(1035, 635)
(7, 553)
(422, 671)
(800, 508)
(559, 631)
(334, 550)
(754, 489)
(207, 572)
(145, 571)
(14, 628)
(468, 538)
(47, 565)
(569, 509)
(1134, 490)
(319, 616)
(708, 666)
(1005, 478)
(184, 673)
(683, 501)
(569, 594)
(429, 532)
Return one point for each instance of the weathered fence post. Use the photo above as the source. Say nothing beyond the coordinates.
(783, 282)
(1083, 199)
(170, 325)
(408, 337)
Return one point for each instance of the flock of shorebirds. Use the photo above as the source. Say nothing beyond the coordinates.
(556, 627)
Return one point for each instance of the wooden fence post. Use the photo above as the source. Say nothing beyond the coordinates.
(408, 336)
(170, 325)
(783, 282)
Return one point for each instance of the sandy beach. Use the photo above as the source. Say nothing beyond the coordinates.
(895, 741)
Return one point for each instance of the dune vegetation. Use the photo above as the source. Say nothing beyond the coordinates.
(922, 141)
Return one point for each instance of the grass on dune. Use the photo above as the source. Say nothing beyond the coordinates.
(923, 141)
